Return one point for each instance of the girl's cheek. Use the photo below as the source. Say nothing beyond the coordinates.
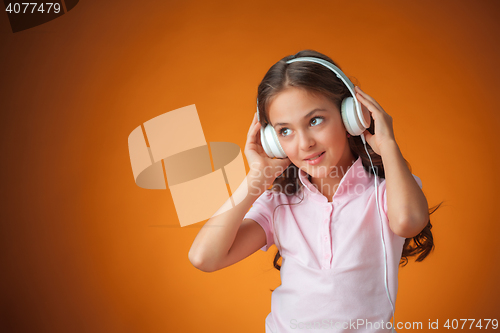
(288, 148)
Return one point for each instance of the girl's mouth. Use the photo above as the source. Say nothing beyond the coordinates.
(316, 159)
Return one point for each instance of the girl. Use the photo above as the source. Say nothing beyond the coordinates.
(340, 254)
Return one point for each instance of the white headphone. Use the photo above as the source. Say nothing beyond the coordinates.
(355, 122)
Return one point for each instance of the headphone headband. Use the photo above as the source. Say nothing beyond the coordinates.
(340, 75)
(353, 118)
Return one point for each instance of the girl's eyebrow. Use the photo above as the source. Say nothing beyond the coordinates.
(306, 116)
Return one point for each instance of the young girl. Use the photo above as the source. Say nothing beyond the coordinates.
(341, 236)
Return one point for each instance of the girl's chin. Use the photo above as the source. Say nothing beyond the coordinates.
(320, 171)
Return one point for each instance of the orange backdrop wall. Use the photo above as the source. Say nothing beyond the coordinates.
(84, 249)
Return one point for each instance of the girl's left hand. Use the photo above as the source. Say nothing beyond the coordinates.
(384, 132)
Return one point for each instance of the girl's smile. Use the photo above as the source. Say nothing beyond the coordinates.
(317, 158)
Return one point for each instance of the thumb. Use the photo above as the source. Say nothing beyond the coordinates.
(368, 137)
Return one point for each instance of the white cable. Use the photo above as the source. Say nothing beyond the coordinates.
(381, 234)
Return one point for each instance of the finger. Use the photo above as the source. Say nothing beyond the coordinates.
(252, 133)
(257, 131)
(368, 97)
(369, 105)
(254, 122)
(367, 135)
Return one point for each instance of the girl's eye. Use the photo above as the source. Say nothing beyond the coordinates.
(285, 131)
(316, 121)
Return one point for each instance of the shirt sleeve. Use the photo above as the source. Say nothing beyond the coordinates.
(384, 195)
(261, 212)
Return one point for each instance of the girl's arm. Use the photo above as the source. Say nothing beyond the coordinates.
(227, 231)
(407, 207)
(210, 249)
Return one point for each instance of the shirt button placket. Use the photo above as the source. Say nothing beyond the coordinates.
(327, 247)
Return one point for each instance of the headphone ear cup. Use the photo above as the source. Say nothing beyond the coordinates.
(270, 142)
(275, 143)
(264, 140)
(350, 117)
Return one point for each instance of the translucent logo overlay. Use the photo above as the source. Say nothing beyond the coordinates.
(171, 150)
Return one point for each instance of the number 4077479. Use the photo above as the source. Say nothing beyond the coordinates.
(480, 323)
(33, 7)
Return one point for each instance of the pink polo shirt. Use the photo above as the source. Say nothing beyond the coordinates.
(332, 273)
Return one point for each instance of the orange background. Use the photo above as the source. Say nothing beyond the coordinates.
(85, 249)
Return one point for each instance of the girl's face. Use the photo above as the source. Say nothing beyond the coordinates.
(308, 125)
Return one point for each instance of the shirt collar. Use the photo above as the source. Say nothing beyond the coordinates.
(355, 180)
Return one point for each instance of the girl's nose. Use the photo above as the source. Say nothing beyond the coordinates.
(306, 141)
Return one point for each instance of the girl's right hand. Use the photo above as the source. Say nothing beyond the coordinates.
(262, 167)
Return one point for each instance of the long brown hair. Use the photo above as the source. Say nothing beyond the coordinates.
(316, 78)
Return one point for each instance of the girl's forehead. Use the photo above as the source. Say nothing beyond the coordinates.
(294, 103)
